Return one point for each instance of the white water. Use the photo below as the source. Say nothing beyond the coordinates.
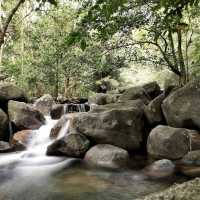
(34, 157)
(79, 108)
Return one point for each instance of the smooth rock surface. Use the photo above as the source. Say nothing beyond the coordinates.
(119, 124)
(160, 169)
(44, 104)
(23, 137)
(167, 142)
(24, 116)
(73, 145)
(108, 156)
(181, 108)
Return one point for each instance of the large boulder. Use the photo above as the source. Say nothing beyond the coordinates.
(109, 156)
(11, 92)
(135, 93)
(181, 108)
(167, 142)
(73, 145)
(44, 104)
(153, 111)
(145, 92)
(102, 99)
(24, 116)
(119, 124)
(4, 127)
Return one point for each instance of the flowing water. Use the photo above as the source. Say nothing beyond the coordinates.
(31, 175)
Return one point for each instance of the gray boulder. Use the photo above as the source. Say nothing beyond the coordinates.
(11, 92)
(135, 93)
(73, 145)
(119, 124)
(145, 92)
(24, 116)
(167, 142)
(44, 104)
(181, 108)
(108, 156)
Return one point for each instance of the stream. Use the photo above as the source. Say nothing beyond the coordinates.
(31, 175)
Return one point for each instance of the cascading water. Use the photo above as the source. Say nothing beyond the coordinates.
(70, 108)
(35, 155)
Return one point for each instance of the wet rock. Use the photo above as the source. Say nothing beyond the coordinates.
(167, 142)
(24, 116)
(58, 126)
(108, 156)
(23, 137)
(57, 111)
(73, 145)
(5, 147)
(44, 104)
(181, 108)
(153, 111)
(17, 146)
(160, 169)
(119, 124)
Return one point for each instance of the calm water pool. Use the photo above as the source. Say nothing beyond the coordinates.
(75, 182)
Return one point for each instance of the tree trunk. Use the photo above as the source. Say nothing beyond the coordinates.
(183, 73)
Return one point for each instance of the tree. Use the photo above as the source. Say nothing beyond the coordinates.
(39, 60)
(165, 25)
(6, 21)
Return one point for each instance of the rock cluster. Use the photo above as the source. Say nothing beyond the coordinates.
(16, 115)
(165, 124)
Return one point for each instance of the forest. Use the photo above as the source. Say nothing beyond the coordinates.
(99, 99)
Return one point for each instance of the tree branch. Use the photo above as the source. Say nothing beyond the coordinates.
(9, 19)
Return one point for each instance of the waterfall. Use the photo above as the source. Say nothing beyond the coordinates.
(64, 130)
(71, 108)
(35, 155)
